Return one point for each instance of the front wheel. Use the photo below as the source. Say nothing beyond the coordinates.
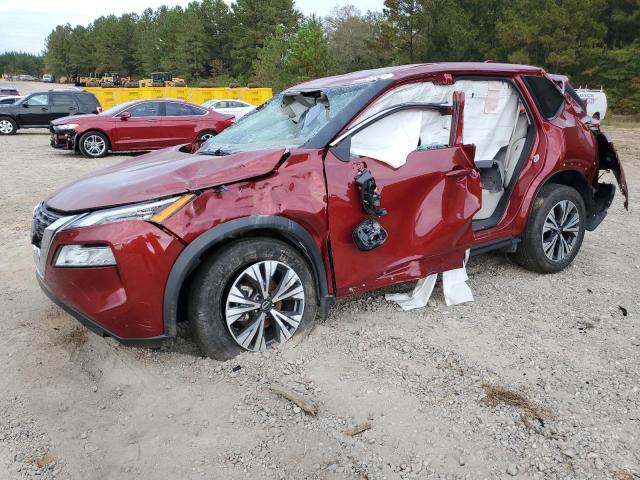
(555, 230)
(8, 126)
(251, 295)
(94, 144)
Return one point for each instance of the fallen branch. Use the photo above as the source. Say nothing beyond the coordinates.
(358, 429)
(309, 407)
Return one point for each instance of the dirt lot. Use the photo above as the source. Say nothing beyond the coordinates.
(73, 405)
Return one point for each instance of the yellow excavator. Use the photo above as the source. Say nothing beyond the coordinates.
(162, 79)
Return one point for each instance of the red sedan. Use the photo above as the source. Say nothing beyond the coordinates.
(137, 125)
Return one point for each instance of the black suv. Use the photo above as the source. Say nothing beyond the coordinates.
(38, 109)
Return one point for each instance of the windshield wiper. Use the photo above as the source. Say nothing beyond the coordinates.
(218, 153)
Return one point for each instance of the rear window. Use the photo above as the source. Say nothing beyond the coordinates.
(87, 99)
(546, 95)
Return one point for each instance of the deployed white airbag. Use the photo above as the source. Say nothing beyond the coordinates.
(491, 109)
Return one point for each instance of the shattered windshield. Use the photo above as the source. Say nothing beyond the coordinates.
(288, 120)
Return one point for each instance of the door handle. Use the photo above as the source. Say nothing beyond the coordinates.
(44, 109)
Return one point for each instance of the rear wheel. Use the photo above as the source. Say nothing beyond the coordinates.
(555, 230)
(252, 295)
(8, 126)
(94, 144)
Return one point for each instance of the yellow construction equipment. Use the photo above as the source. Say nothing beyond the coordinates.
(162, 79)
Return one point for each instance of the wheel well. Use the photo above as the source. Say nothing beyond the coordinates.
(254, 233)
(79, 136)
(576, 180)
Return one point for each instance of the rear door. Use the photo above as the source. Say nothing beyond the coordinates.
(141, 131)
(179, 123)
(428, 191)
(62, 104)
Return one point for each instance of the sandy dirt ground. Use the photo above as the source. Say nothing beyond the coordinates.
(73, 405)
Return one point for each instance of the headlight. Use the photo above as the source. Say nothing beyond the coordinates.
(157, 212)
(85, 256)
(67, 126)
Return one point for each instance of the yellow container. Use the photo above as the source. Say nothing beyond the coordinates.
(108, 97)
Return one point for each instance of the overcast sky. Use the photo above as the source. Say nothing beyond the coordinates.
(25, 24)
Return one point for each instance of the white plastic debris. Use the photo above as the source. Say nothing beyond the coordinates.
(416, 299)
(454, 285)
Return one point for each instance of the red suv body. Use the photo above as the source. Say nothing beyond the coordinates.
(137, 125)
(336, 186)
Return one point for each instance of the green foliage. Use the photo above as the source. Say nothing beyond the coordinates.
(287, 59)
(254, 22)
(594, 42)
(20, 63)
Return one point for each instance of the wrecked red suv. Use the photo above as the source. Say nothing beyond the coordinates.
(334, 187)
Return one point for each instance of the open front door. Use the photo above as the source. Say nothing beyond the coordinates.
(390, 223)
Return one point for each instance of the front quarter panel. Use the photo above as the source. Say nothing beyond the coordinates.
(296, 190)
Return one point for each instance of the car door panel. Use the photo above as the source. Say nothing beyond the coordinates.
(35, 111)
(179, 124)
(141, 131)
(62, 105)
(430, 202)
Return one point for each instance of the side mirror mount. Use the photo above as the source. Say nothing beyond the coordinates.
(25, 105)
(342, 151)
(457, 119)
(124, 116)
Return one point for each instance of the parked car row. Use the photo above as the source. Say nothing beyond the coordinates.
(334, 187)
(76, 120)
(137, 125)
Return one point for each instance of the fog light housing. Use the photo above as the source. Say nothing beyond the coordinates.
(85, 256)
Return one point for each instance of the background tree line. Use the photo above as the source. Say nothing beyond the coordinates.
(595, 42)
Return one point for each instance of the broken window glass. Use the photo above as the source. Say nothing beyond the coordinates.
(288, 120)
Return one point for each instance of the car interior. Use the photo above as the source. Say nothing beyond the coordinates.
(495, 121)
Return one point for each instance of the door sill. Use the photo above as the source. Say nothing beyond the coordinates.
(509, 245)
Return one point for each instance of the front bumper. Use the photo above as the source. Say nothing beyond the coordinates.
(63, 139)
(123, 301)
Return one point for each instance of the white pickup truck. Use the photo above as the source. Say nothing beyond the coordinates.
(596, 101)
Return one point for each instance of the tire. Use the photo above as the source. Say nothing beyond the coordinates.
(92, 84)
(545, 248)
(234, 85)
(206, 135)
(94, 144)
(131, 85)
(596, 116)
(8, 126)
(228, 273)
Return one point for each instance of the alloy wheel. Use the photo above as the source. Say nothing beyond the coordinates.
(560, 230)
(264, 305)
(95, 145)
(6, 127)
(206, 136)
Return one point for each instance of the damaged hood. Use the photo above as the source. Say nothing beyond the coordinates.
(161, 174)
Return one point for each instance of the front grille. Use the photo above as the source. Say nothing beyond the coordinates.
(42, 218)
